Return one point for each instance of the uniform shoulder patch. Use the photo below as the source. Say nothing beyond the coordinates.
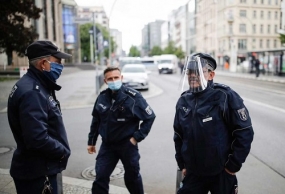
(222, 86)
(148, 110)
(15, 87)
(131, 92)
(242, 114)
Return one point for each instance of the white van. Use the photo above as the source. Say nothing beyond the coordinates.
(167, 64)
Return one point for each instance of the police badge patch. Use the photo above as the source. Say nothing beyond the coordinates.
(242, 114)
(148, 110)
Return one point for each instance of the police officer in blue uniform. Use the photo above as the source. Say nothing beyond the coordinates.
(36, 122)
(212, 131)
(123, 118)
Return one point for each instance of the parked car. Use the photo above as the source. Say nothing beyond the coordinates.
(135, 76)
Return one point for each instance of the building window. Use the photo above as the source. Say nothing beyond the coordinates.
(269, 2)
(242, 13)
(253, 43)
(242, 28)
(254, 28)
(260, 43)
(276, 2)
(268, 29)
(275, 28)
(254, 14)
(261, 14)
(262, 1)
(275, 44)
(268, 43)
(53, 19)
(261, 29)
(254, 1)
(242, 44)
(276, 15)
(243, 1)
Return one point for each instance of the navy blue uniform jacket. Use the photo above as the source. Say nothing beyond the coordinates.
(36, 122)
(119, 119)
(213, 131)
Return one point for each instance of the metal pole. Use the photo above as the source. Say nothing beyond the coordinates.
(91, 48)
(94, 36)
(109, 38)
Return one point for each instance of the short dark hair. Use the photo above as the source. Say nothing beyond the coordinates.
(108, 69)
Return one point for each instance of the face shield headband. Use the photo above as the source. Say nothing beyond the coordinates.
(195, 69)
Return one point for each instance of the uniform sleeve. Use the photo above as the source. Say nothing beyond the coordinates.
(178, 140)
(33, 111)
(93, 134)
(241, 132)
(145, 113)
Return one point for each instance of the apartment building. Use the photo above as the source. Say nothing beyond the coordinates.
(117, 37)
(100, 15)
(151, 36)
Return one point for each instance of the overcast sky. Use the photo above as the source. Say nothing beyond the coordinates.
(130, 16)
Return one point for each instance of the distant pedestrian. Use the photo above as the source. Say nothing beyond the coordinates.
(257, 67)
(181, 65)
(36, 121)
(212, 131)
(123, 118)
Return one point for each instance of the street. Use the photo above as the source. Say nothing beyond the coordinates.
(262, 173)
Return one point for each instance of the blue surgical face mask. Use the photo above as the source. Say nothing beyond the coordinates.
(115, 85)
(55, 71)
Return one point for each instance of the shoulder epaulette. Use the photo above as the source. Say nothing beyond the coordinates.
(222, 86)
(184, 93)
(131, 92)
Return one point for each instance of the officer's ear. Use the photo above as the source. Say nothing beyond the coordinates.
(211, 75)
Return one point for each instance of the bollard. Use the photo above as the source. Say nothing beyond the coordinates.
(179, 178)
(59, 183)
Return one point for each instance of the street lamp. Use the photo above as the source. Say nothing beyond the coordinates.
(233, 63)
(91, 46)
(109, 37)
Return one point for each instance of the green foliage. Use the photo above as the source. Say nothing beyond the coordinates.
(180, 53)
(282, 38)
(134, 52)
(14, 35)
(156, 50)
(85, 40)
(170, 49)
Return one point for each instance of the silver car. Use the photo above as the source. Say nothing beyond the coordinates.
(135, 76)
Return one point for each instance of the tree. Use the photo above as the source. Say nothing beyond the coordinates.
(85, 40)
(180, 53)
(14, 35)
(170, 49)
(282, 38)
(156, 50)
(134, 52)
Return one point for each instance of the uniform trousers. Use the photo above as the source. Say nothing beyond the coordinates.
(35, 186)
(106, 161)
(223, 183)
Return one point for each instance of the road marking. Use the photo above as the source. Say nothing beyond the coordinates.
(265, 105)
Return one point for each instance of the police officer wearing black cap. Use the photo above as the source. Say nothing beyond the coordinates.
(123, 118)
(36, 122)
(212, 131)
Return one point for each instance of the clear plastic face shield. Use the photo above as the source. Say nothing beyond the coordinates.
(196, 70)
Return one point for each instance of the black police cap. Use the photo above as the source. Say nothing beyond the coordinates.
(44, 48)
(209, 58)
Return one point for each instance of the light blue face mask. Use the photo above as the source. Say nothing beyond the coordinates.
(55, 71)
(115, 85)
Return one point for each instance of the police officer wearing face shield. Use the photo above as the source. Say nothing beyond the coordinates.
(36, 122)
(212, 131)
(122, 117)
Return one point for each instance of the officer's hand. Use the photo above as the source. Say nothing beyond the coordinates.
(91, 149)
(229, 172)
(133, 141)
(184, 171)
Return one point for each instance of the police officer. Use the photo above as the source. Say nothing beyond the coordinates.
(35, 119)
(117, 114)
(213, 131)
